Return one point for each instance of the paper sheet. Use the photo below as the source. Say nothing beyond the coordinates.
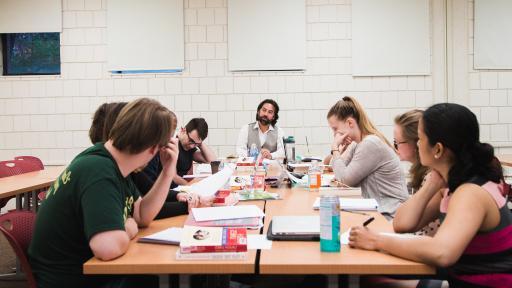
(227, 212)
(255, 242)
(353, 204)
(196, 176)
(344, 237)
(211, 184)
(203, 168)
(170, 235)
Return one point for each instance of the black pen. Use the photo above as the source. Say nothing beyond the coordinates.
(370, 220)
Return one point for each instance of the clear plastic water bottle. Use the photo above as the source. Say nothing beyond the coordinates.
(314, 176)
(254, 152)
(290, 149)
(329, 223)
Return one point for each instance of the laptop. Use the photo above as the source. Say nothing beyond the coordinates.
(296, 225)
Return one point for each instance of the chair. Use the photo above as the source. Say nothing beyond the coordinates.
(34, 160)
(17, 227)
(16, 167)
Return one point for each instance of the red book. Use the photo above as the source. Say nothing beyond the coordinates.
(197, 239)
(224, 198)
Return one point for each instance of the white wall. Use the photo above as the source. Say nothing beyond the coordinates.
(49, 116)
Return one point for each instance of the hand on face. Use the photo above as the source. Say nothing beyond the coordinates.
(169, 156)
(362, 238)
(341, 141)
(434, 181)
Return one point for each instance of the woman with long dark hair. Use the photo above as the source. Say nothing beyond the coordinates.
(465, 189)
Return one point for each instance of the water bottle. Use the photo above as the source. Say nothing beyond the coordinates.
(290, 149)
(254, 152)
(314, 176)
(329, 223)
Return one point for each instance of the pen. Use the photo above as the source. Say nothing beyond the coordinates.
(355, 212)
(370, 220)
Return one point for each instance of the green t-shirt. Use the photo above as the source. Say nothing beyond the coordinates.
(89, 197)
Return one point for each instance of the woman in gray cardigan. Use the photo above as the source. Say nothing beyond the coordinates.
(362, 156)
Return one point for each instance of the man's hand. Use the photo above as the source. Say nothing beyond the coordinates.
(169, 156)
(192, 199)
(265, 153)
(131, 227)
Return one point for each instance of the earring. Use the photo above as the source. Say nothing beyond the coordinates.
(436, 156)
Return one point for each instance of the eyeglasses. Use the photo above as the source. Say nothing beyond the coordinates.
(398, 143)
(191, 142)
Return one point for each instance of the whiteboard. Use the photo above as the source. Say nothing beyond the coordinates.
(30, 16)
(493, 34)
(266, 35)
(145, 35)
(390, 37)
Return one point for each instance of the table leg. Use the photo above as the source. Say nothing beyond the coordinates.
(33, 207)
(26, 204)
(19, 202)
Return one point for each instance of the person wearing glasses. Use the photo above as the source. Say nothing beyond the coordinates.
(466, 190)
(362, 156)
(405, 135)
(192, 149)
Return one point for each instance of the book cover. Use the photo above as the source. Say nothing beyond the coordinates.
(211, 256)
(251, 223)
(225, 198)
(245, 161)
(240, 182)
(196, 239)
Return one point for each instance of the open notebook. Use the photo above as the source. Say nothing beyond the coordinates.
(353, 204)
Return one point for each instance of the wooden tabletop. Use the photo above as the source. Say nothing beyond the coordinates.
(505, 159)
(149, 258)
(27, 182)
(301, 257)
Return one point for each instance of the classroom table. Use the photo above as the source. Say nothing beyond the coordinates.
(28, 185)
(298, 257)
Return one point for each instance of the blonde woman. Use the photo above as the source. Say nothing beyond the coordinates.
(362, 156)
(405, 140)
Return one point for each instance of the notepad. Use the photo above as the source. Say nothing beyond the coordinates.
(353, 204)
(168, 236)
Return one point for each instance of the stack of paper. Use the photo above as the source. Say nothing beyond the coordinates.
(226, 212)
(353, 204)
(168, 236)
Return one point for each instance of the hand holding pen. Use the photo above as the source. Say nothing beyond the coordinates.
(361, 237)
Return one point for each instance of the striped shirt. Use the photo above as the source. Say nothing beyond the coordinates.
(487, 260)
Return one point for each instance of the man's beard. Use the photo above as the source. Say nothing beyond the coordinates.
(263, 120)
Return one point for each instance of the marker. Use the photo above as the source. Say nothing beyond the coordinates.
(370, 220)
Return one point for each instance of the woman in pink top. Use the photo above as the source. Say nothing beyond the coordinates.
(465, 190)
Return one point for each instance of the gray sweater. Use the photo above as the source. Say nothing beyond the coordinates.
(375, 167)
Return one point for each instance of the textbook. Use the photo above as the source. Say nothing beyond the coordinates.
(250, 223)
(211, 256)
(240, 182)
(225, 198)
(196, 239)
(353, 204)
(168, 236)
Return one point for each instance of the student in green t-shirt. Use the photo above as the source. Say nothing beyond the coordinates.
(94, 209)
